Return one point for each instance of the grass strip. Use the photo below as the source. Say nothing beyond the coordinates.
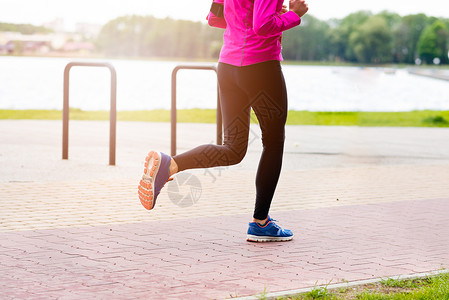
(432, 287)
(423, 118)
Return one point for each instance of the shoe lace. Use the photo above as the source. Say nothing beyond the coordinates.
(273, 221)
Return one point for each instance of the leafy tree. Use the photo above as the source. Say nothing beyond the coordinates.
(433, 42)
(310, 41)
(406, 37)
(393, 19)
(18, 47)
(393, 22)
(372, 43)
(339, 35)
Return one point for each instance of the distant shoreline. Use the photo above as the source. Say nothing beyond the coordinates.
(181, 59)
(423, 118)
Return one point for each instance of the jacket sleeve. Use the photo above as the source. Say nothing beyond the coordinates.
(267, 21)
(215, 21)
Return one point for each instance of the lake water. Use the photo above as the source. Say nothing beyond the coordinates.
(37, 83)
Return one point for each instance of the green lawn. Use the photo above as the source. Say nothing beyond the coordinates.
(424, 118)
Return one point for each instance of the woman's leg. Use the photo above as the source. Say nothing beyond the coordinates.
(268, 98)
(236, 113)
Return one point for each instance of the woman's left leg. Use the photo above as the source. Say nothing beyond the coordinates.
(266, 85)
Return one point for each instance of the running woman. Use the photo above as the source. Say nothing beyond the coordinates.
(249, 76)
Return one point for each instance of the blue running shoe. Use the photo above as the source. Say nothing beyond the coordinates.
(270, 232)
(155, 175)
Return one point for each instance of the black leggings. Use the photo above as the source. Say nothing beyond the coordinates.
(262, 88)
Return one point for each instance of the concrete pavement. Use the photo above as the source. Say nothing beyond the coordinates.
(363, 203)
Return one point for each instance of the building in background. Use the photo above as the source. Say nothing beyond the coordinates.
(59, 42)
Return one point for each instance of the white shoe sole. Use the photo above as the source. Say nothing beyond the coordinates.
(262, 239)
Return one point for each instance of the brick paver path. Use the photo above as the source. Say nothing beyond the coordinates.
(41, 205)
(77, 239)
(69, 232)
(203, 258)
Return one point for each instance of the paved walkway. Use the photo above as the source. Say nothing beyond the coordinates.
(436, 74)
(363, 203)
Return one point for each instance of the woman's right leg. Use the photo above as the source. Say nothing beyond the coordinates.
(235, 112)
(236, 115)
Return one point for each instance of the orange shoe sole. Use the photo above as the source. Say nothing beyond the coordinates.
(146, 185)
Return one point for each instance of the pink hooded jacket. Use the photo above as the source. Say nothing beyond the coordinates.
(253, 30)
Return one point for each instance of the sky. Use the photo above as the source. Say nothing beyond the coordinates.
(38, 12)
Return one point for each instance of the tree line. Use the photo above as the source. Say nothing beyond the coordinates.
(24, 28)
(147, 36)
(366, 38)
(360, 37)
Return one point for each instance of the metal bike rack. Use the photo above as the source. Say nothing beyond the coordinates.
(112, 111)
(173, 105)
